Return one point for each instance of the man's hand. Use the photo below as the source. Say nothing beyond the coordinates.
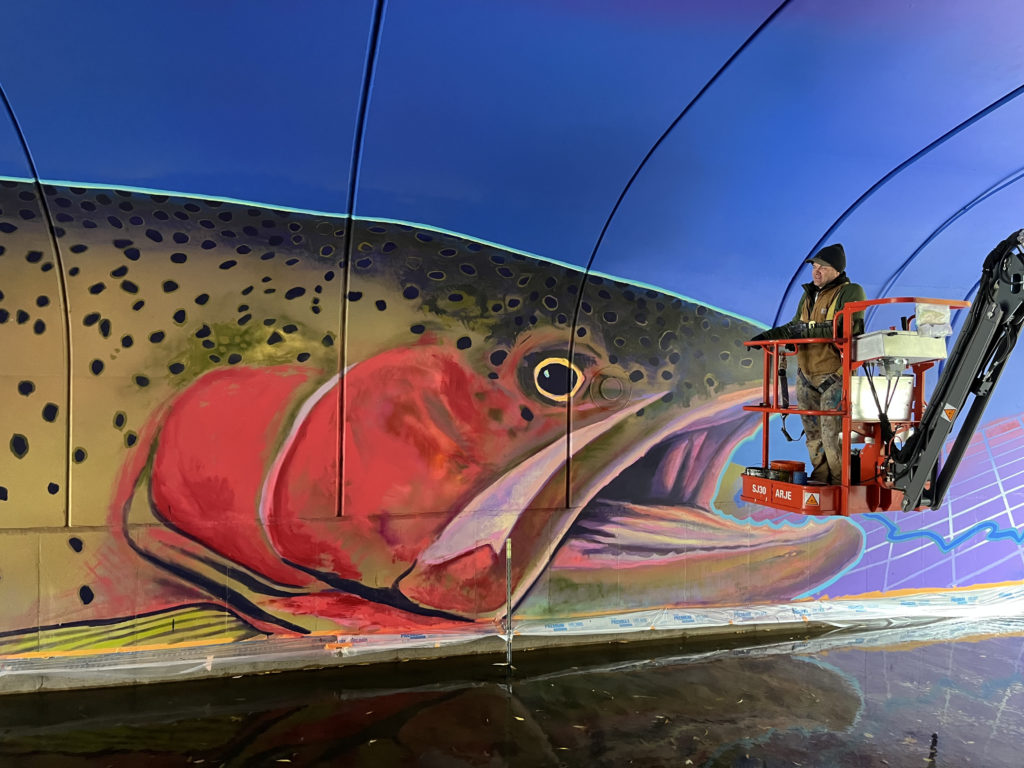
(760, 337)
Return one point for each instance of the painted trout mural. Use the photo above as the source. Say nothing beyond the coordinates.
(287, 423)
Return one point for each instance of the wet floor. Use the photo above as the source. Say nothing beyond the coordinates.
(948, 694)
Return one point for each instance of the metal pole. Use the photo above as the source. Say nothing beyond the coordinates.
(508, 601)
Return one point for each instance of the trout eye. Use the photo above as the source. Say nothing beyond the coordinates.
(557, 378)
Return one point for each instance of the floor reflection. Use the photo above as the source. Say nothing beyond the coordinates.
(941, 695)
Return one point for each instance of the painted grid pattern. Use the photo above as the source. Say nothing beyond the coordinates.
(975, 538)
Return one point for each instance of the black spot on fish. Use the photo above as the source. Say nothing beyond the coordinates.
(75, 543)
(3, 493)
(96, 366)
(294, 293)
(417, 329)
(79, 455)
(50, 412)
(526, 413)
(52, 489)
(636, 376)
(97, 288)
(176, 368)
(26, 387)
(411, 292)
(19, 445)
(141, 380)
(127, 340)
(85, 595)
(464, 342)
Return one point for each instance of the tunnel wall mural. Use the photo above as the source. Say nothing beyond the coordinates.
(415, 365)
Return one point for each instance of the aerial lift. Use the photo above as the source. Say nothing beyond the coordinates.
(894, 448)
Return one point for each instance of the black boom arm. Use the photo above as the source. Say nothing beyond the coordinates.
(973, 368)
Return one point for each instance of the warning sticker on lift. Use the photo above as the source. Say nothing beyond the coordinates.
(948, 413)
(811, 499)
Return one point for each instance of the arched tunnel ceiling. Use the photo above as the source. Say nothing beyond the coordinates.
(703, 147)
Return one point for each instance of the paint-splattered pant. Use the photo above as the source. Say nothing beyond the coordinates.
(824, 441)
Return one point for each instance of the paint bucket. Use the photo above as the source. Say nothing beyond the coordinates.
(791, 466)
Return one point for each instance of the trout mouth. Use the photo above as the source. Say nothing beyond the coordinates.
(641, 510)
(684, 469)
(650, 532)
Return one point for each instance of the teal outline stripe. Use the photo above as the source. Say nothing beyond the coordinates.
(425, 227)
(567, 265)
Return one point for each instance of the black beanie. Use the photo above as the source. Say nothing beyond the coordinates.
(831, 255)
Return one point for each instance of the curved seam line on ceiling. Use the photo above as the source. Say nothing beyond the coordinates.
(62, 289)
(999, 186)
(364, 101)
(714, 78)
(376, 24)
(886, 179)
(622, 196)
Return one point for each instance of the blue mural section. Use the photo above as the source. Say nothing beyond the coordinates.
(236, 100)
(520, 123)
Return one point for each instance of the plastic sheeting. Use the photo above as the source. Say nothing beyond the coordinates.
(283, 654)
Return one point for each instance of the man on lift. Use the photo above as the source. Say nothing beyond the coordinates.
(819, 375)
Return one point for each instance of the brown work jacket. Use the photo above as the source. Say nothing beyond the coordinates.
(820, 307)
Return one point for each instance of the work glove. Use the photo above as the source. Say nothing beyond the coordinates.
(759, 337)
(778, 332)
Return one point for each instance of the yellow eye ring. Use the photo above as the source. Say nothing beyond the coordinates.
(557, 378)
